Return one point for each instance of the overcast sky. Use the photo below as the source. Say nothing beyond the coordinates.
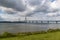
(15, 10)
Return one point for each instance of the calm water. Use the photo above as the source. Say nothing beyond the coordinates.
(19, 27)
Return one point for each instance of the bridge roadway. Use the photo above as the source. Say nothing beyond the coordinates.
(40, 21)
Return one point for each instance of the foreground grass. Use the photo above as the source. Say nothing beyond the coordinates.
(46, 36)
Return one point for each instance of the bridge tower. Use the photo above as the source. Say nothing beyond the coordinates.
(25, 19)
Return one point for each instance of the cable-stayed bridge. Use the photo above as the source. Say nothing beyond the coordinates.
(33, 21)
(43, 21)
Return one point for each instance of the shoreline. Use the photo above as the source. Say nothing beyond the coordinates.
(7, 34)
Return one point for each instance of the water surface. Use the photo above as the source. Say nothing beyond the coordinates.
(22, 27)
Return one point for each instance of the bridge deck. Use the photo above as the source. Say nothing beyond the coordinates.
(43, 21)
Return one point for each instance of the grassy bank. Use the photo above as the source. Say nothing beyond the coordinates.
(51, 34)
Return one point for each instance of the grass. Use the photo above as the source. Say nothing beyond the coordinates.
(49, 35)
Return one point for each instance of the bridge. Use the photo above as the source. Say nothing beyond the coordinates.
(40, 21)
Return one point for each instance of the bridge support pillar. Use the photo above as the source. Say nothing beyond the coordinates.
(47, 21)
(56, 21)
(41, 21)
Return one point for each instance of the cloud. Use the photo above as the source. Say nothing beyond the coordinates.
(14, 4)
(34, 2)
(13, 10)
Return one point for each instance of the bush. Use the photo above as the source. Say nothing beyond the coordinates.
(53, 30)
(43, 32)
(21, 34)
(6, 34)
(29, 33)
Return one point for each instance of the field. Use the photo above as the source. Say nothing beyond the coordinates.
(44, 36)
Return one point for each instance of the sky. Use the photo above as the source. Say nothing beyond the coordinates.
(17, 10)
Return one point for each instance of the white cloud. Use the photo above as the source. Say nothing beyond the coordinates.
(36, 9)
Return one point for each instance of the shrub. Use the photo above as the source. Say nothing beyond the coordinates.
(28, 33)
(21, 34)
(6, 34)
(43, 32)
(53, 30)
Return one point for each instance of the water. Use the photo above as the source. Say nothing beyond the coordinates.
(21, 27)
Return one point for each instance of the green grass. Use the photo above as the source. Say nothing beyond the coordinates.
(46, 36)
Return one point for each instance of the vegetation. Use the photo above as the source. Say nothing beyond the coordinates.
(51, 34)
(6, 35)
